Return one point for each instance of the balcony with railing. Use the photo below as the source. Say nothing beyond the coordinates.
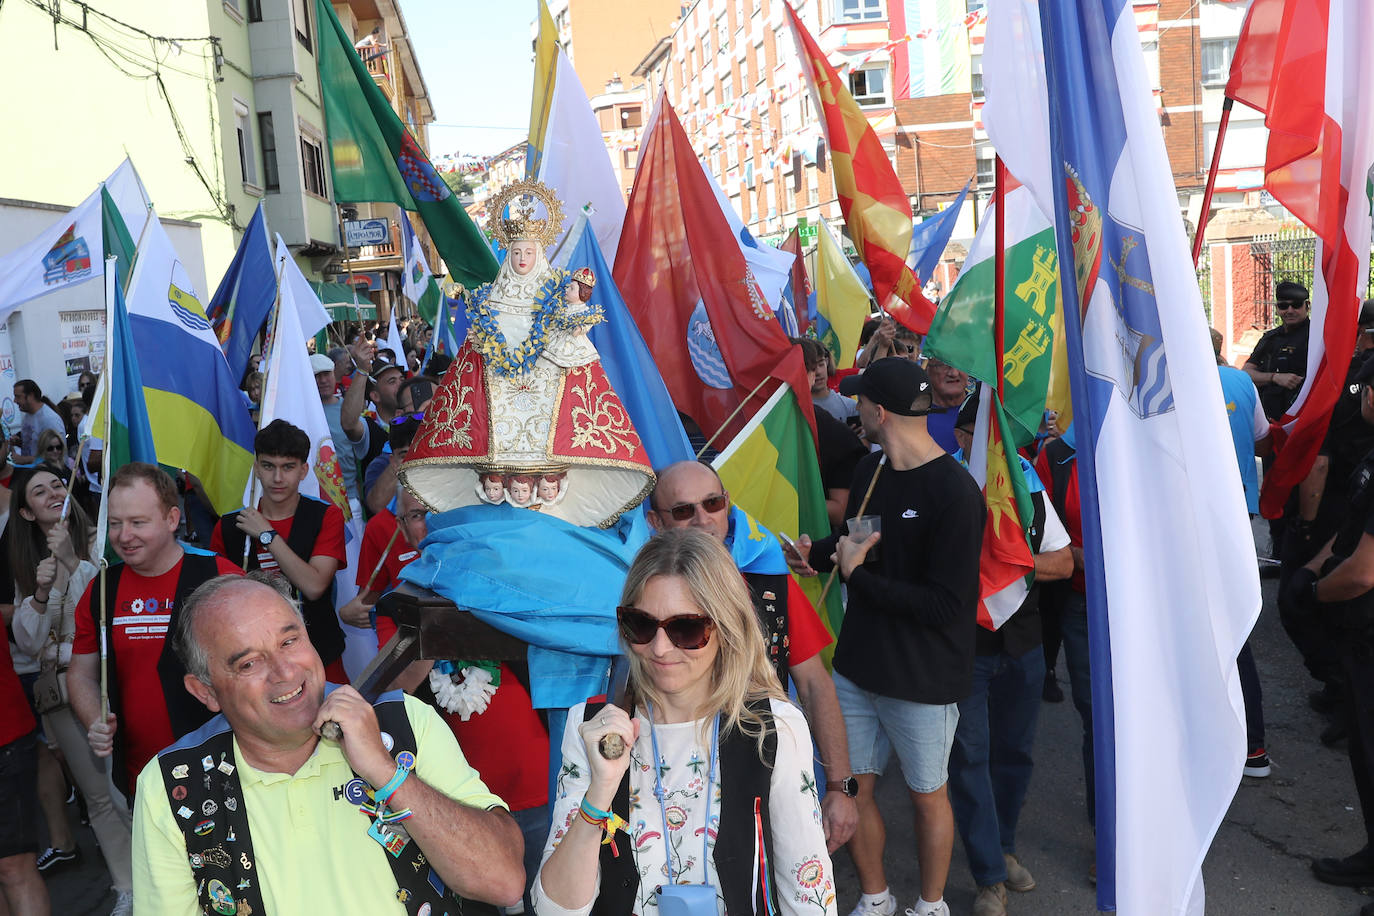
(388, 251)
(377, 60)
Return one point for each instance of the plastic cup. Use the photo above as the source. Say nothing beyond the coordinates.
(859, 530)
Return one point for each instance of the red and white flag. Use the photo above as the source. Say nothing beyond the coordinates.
(686, 281)
(1306, 65)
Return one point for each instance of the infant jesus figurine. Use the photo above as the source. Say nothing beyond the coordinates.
(579, 315)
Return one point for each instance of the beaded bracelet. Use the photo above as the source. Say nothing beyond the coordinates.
(608, 821)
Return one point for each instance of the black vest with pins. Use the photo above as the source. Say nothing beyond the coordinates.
(201, 779)
(769, 594)
(184, 711)
(321, 623)
(744, 782)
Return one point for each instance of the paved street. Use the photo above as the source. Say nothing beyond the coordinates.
(1258, 863)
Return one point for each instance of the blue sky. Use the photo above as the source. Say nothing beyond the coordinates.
(476, 60)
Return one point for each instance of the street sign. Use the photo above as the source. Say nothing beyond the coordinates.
(806, 234)
(359, 232)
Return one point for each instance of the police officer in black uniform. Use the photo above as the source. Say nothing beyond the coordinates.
(1323, 500)
(1279, 361)
(1335, 583)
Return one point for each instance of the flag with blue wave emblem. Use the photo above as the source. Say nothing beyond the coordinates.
(199, 419)
(1172, 581)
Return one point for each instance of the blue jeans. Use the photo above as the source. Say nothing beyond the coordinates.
(1074, 625)
(990, 766)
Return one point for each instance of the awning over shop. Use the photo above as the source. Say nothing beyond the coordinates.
(338, 300)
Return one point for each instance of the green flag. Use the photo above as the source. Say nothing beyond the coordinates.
(771, 472)
(961, 332)
(374, 158)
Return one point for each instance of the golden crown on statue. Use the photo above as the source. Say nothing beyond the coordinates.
(522, 197)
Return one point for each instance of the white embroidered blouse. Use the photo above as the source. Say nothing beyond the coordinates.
(801, 871)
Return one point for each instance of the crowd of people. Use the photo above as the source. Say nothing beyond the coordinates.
(180, 694)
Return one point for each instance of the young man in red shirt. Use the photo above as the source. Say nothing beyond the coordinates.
(141, 598)
(297, 536)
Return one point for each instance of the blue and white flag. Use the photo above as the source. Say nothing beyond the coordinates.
(629, 365)
(929, 238)
(1172, 581)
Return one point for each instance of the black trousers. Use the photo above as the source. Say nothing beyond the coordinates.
(1357, 662)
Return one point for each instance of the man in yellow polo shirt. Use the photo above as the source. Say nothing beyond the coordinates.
(256, 814)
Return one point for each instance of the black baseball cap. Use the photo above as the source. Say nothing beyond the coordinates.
(967, 417)
(1367, 315)
(1365, 374)
(896, 384)
(1288, 291)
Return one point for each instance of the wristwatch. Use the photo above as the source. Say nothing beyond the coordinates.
(266, 537)
(849, 786)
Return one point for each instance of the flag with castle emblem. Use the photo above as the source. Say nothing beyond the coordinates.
(373, 157)
(1035, 360)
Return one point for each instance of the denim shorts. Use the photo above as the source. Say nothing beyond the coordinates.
(19, 796)
(921, 733)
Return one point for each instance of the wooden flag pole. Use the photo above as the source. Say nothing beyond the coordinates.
(820, 602)
(386, 551)
(734, 413)
(111, 276)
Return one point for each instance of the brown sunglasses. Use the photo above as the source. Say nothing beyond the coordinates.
(685, 631)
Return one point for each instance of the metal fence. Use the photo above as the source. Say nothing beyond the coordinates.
(1204, 280)
(1289, 254)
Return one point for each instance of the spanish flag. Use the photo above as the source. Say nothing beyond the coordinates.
(876, 210)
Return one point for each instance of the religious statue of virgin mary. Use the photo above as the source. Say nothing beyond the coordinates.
(525, 415)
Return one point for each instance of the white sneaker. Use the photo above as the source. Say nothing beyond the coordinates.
(938, 908)
(886, 908)
(124, 906)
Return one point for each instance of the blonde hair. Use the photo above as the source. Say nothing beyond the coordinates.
(741, 673)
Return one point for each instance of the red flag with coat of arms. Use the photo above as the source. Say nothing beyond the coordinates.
(680, 269)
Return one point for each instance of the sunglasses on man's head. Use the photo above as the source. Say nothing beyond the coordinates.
(685, 631)
(712, 504)
(406, 418)
(1291, 305)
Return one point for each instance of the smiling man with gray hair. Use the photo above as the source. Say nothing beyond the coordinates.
(389, 819)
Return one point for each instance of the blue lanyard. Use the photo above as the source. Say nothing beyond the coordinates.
(710, 793)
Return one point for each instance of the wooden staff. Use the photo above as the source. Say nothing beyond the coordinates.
(820, 602)
(381, 561)
(734, 413)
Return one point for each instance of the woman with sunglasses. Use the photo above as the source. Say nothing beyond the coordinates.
(717, 787)
(52, 448)
(52, 563)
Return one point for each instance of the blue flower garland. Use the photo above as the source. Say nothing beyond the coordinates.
(492, 343)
